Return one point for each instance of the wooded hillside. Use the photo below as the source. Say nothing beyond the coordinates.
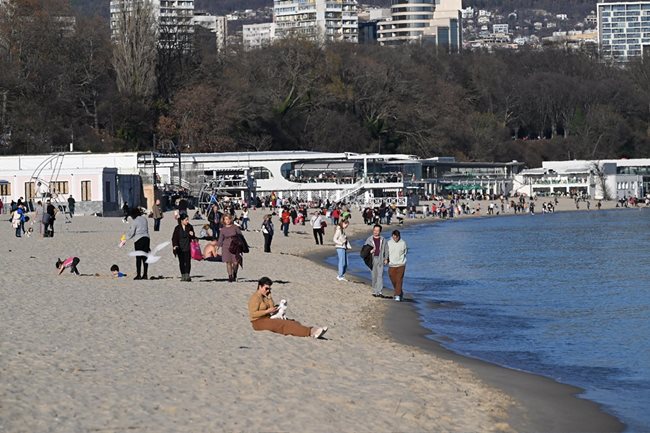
(58, 86)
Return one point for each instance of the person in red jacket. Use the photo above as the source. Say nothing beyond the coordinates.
(285, 218)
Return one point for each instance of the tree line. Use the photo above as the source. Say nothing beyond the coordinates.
(59, 86)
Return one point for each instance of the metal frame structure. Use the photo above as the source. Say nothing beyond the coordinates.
(39, 177)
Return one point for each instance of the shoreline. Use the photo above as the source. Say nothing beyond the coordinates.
(542, 403)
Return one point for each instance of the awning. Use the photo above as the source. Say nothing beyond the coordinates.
(458, 187)
(325, 166)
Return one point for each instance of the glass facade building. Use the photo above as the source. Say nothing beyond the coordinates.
(426, 22)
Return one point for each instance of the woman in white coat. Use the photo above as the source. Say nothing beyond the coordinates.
(342, 246)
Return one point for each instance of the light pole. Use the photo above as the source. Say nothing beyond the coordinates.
(153, 161)
(180, 171)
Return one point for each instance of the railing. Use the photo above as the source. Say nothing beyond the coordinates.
(184, 182)
(377, 201)
(362, 184)
(561, 181)
(356, 188)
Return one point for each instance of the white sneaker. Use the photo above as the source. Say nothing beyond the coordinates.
(398, 298)
(341, 278)
(318, 332)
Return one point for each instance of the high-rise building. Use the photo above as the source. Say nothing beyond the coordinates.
(174, 18)
(258, 35)
(435, 22)
(623, 30)
(368, 20)
(317, 20)
(215, 24)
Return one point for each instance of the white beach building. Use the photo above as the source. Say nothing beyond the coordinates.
(602, 179)
(99, 183)
(302, 175)
(102, 183)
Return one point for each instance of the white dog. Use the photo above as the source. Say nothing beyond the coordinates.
(282, 311)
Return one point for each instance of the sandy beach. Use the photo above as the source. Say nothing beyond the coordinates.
(92, 353)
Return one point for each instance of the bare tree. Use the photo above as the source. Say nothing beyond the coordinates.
(601, 179)
(134, 47)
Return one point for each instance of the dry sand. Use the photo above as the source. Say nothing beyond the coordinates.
(91, 353)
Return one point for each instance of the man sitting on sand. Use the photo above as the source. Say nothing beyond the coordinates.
(261, 307)
(211, 251)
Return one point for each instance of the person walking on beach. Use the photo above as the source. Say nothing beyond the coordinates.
(397, 250)
(317, 227)
(261, 307)
(267, 231)
(181, 239)
(335, 215)
(226, 236)
(342, 246)
(214, 218)
(126, 212)
(49, 218)
(244, 219)
(18, 220)
(379, 253)
(157, 215)
(38, 217)
(72, 203)
(285, 218)
(139, 232)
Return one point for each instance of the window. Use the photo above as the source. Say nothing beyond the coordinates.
(261, 173)
(30, 191)
(107, 192)
(59, 187)
(85, 191)
(5, 189)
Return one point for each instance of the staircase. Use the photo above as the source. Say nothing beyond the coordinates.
(352, 192)
(191, 187)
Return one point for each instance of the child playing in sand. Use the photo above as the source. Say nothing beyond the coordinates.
(115, 270)
(206, 232)
(70, 262)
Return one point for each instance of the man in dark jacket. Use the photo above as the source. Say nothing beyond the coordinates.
(49, 226)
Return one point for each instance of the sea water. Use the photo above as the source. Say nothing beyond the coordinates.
(563, 295)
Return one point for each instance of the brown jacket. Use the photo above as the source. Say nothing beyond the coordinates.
(257, 304)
